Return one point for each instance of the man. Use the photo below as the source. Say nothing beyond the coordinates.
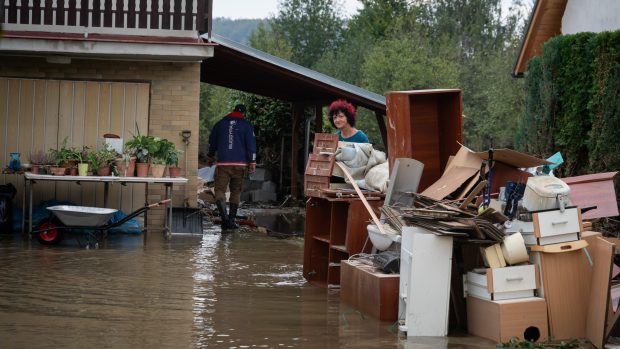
(232, 138)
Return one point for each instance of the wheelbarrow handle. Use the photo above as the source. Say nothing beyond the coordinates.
(163, 202)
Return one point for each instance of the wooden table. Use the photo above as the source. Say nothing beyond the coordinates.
(31, 179)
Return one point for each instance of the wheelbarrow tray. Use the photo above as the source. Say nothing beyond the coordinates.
(82, 216)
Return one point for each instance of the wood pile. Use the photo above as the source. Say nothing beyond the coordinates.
(444, 217)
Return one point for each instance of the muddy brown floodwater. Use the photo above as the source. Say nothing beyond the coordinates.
(240, 290)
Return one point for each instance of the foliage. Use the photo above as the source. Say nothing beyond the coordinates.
(311, 28)
(142, 146)
(166, 153)
(103, 157)
(573, 102)
(548, 344)
(270, 41)
(64, 154)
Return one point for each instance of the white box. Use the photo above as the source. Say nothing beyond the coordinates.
(545, 193)
(503, 283)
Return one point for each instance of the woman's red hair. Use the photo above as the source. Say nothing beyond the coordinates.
(343, 106)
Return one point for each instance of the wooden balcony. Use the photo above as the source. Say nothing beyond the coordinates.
(176, 18)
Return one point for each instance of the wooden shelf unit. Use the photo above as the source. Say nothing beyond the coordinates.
(335, 229)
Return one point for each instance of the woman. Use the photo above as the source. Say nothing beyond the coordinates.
(342, 116)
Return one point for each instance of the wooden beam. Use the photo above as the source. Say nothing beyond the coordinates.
(298, 111)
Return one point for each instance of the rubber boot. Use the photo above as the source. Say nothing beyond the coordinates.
(221, 207)
(232, 214)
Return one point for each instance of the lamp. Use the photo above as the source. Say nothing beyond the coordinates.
(186, 134)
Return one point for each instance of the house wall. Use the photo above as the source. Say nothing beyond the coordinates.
(174, 104)
(591, 16)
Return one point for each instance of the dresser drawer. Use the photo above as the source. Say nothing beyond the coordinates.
(507, 279)
(556, 222)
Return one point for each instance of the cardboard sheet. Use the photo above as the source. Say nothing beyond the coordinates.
(513, 158)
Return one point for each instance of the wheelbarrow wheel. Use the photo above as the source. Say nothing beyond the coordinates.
(50, 235)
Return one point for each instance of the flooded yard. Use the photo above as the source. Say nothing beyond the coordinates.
(239, 290)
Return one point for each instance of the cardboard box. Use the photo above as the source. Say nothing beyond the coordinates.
(502, 320)
(504, 283)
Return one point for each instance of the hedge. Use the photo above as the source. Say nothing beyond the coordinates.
(573, 103)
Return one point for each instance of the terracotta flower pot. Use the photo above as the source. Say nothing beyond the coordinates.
(57, 171)
(142, 169)
(174, 171)
(73, 171)
(34, 169)
(103, 171)
(158, 170)
(126, 169)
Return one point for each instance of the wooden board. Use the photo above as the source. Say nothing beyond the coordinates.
(566, 278)
(602, 253)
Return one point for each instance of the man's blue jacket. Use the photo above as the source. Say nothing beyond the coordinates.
(232, 138)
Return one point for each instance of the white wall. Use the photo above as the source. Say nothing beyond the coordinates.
(591, 16)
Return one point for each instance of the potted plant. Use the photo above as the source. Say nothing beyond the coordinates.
(82, 157)
(158, 158)
(172, 160)
(101, 160)
(57, 161)
(38, 159)
(142, 147)
(126, 163)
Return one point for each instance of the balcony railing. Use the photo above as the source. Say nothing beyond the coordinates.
(141, 17)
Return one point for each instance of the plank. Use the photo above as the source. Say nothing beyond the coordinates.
(374, 217)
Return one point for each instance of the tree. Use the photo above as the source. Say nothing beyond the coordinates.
(311, 27)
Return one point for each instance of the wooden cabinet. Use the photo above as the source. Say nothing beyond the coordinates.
(425, 125)
(335, 229)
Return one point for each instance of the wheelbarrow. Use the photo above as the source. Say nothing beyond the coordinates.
(92, 220)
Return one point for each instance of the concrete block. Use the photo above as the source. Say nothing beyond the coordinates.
(261, 174)
(269, 186)
(263, 196)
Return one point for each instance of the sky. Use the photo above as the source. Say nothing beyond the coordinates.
(236, 9)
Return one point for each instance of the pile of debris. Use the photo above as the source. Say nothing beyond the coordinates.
(539, 271)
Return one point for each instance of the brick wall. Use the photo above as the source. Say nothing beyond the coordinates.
(174, 104)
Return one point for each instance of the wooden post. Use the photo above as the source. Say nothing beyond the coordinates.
(298, 111)
(318, 118)
(383, 129)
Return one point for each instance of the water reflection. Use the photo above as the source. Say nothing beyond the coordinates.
(241, 290)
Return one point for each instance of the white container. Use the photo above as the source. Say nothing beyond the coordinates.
(545, 193)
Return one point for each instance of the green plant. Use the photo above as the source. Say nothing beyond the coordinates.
(82, 156)
(64, 154)
(102, 157)
(167, 153)
(142, 146)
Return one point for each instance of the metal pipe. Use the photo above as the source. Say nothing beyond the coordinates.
(307, 145)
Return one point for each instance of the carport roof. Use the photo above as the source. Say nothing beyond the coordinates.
(247, 69)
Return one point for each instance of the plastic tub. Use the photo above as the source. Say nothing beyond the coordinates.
(545, 193)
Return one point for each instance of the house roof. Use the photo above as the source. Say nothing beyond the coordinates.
(545, 22)
(247, 69)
